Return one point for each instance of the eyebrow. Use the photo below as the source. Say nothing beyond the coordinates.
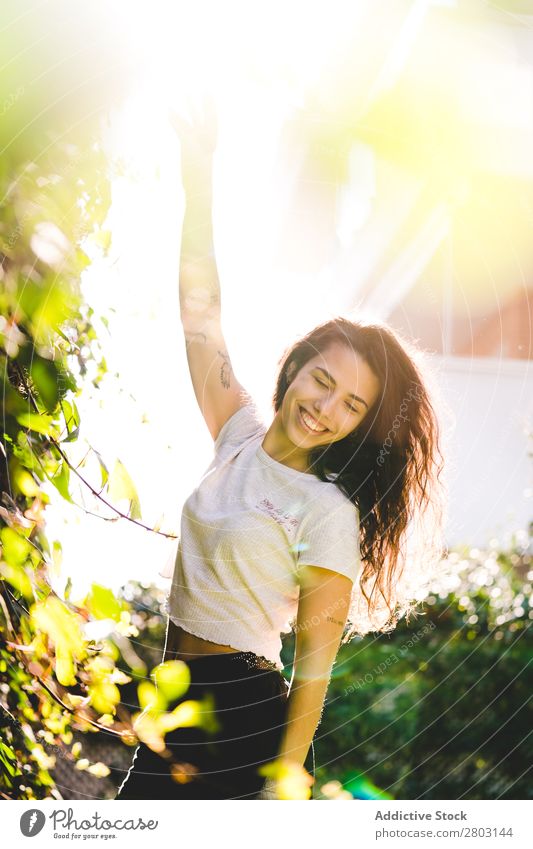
(332, 380)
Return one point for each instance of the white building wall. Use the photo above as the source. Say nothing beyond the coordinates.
(489, 462)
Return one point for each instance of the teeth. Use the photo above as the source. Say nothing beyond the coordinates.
(311, 422)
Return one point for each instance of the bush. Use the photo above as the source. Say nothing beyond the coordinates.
(439, 708)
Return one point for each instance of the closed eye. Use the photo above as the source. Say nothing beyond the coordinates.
(325, 385)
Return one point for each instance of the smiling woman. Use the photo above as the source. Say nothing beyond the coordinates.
(282, 524)
(326, 400)
(363, 383)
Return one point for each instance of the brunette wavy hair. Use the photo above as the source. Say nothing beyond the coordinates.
(390, 468)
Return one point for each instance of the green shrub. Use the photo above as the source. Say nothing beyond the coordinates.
(440, 708)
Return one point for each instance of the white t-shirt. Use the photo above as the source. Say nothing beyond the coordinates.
(247, 528)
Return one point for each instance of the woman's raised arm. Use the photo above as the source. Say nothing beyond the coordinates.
(218, 392)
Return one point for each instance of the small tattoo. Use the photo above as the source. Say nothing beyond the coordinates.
(335, 621)
(225, 370)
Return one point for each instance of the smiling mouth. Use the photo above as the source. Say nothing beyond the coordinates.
(310, 423)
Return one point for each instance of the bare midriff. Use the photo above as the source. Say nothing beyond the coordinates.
(184, 646)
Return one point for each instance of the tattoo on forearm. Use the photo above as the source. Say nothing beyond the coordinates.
(214, 298)
(335, 621)
(198, 296)
(225, 370)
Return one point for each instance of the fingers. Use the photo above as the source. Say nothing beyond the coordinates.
(179, 124)
(194, 118)
(194, 111)
(182, 115)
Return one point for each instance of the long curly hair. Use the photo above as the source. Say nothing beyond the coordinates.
(390, 468)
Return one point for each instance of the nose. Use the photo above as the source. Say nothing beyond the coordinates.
(323, 408)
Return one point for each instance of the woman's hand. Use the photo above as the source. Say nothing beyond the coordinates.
(197, 128)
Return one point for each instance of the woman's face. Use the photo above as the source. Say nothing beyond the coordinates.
(328, 398)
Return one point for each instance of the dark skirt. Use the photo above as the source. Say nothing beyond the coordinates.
(249, 701)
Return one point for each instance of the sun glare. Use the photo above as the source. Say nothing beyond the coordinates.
(136, 287)
(344, 152)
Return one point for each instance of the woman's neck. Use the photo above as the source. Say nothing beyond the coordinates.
(280, 448)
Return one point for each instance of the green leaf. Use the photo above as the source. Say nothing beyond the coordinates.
(102, 603)
(66, 381)
(24, 482)
(68, 589)
(61, 481)
(62, 626)
(173, 678)
(102, 238)
(17, 577)
(150, 698)
(121, 487)
(16, 548)
(103, 469)
(57, 556)
(9, 760)
(39, 423)
(72, 420)
(104, 696)
(82, 260)
(44, 375)
(73, 435)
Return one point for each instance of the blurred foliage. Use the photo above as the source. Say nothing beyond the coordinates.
(63, 65)
(138, 654)
(55, 678)
(441, 708)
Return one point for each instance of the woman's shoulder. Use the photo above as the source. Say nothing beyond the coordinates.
(329, 487)
(243, 424)
(326, 498)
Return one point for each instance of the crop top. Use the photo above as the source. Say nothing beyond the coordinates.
(247, 528)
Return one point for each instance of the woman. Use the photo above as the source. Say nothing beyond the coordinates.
(301, 524)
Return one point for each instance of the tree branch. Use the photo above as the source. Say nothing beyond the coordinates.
(94, 492)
